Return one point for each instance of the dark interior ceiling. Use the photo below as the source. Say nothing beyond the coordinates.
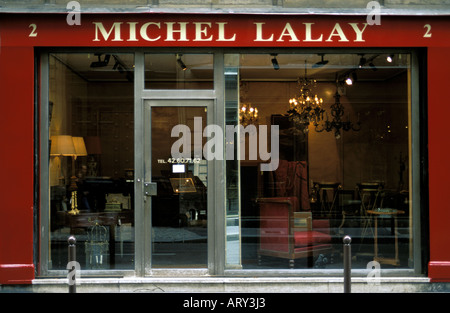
(253, 67)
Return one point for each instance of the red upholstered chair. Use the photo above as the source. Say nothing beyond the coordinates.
(287, 229)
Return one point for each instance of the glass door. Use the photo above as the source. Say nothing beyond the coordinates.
(176, 184)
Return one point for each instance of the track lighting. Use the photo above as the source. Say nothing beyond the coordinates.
(101, 63)
(362, 61)
(390, 58)
(181, 63)
(372, 66)
(349, 81)
(320, 63)
(121, 67)
(275, 64)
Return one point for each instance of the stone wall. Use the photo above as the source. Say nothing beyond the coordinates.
(441, 6)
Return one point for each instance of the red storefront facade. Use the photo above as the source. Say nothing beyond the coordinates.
(25, 38)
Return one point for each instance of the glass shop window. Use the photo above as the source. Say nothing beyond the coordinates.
(179, 71)
(339, 124)
(91, 155)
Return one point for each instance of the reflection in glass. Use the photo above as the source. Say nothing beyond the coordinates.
(179, 71)
(91, 129)
(325, 186)
(179, 210)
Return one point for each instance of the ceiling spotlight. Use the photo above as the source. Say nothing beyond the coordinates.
(349, 81)
(101, 63)
(390, 58)
(275, 64)
(121, 67)
(320, 63)
(362, 61)
(181, 63)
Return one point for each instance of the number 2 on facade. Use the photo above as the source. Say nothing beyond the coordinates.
(428, 32)
(33, 30)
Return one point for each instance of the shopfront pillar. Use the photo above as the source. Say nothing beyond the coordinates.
(439, 166)
(16, 164)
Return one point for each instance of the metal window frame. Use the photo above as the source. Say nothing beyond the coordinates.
(216, 233)
(416, 134)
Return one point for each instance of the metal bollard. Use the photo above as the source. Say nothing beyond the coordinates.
(347, 264)
(71, 266)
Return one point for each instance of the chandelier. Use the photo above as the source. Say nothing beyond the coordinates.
(306, 108)
(337, 112)
(248, 114)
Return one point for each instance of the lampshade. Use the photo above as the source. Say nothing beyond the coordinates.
(62, 145)
(80, 148)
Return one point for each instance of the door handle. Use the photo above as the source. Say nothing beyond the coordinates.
(150, 189)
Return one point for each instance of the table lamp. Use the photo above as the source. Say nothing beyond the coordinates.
(61, 145)
(80, 150)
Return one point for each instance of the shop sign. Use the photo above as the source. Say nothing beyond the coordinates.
(219, 31)
(182, 30)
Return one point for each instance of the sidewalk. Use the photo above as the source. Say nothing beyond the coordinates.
(233, 285)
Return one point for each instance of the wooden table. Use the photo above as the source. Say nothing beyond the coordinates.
(391, 213)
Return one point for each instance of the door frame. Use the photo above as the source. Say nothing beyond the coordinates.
(216, 170)
(178, 101)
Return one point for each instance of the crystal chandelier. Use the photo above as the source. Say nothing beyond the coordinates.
(306, 108)
(248, 114)
(337, 112)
